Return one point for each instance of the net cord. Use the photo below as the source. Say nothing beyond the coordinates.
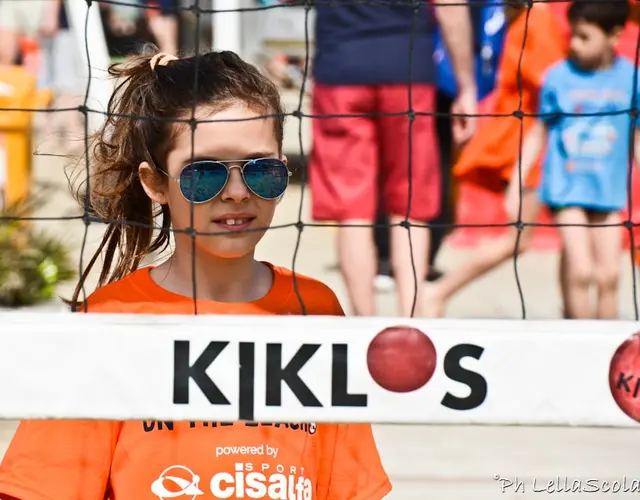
(88, 218)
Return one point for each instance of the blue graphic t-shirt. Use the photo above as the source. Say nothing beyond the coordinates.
(587, 158)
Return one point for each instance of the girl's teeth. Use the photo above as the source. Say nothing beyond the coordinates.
(233, 222)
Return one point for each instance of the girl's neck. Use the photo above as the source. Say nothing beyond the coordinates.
(220, 280)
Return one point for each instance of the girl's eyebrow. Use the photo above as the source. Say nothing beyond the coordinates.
(250, 156)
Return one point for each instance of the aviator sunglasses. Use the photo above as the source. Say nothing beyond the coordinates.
(203, 180)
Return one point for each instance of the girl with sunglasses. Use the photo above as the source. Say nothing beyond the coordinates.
(223, 177)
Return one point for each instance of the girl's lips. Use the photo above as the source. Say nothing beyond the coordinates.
(234, 222)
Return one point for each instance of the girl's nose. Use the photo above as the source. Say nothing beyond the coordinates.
(235, 190)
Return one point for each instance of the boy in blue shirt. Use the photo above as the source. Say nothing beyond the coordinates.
(586, 165)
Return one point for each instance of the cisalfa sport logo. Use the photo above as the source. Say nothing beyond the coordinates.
(177, 481)
(249, 479)
(624, 376)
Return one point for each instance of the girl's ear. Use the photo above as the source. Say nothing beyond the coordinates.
(286, 162)
(615, 36)
(153, 183)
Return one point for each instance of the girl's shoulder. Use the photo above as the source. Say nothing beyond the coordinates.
(123, 296)
(318, 298)
(138, 293)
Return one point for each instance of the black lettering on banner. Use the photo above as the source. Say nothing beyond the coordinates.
(247, 381)
(623, 382)
(183, 371)
(476, 382)
(156, 425)
(339, 379)
(276, 375)
(152, 425)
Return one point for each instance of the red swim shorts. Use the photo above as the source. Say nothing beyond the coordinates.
(356, 159)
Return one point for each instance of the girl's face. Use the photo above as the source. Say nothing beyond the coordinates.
(236, 212)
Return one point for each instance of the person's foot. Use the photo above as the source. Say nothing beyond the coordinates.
(434, 275)
(433, 305)
(384, 281)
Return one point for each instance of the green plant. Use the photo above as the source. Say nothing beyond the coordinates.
(32, 263)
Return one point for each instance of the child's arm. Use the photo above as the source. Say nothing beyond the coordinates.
(548, 113)
(636, 146)
(533, 143)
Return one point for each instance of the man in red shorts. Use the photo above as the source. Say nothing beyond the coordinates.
(366, 55)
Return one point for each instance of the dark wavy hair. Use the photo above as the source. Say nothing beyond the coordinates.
(141, 126)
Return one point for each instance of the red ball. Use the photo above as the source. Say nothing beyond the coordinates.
(401, 359)
(624, 376)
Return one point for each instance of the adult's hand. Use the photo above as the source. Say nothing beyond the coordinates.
(455, 25)
(463, 127)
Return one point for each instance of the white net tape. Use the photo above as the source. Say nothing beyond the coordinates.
(317, 369)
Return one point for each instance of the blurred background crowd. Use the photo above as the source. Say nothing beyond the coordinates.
(359, 61)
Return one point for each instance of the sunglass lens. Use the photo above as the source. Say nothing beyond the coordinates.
(268, 177)
(202, 181)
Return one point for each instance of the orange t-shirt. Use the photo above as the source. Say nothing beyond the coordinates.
(95, 460)
(489, 157)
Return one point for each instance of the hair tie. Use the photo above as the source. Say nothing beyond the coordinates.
(161, 59)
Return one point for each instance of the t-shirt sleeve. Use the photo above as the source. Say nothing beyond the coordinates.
(350, 467)
(59, 459)
(548, 106)
(335, 308)
(636, 104)
(322, 300)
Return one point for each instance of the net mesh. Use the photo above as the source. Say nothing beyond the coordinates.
(201, 9)
(455, 472)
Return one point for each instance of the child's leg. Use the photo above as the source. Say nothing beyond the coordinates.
(578, 262)
(563, 279)
(607, 249)
(484, 259)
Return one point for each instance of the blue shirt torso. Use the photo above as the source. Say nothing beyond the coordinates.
(489, 25)
(587, 158)
(370, 44)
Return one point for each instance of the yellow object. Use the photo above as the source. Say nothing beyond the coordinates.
(18, 91)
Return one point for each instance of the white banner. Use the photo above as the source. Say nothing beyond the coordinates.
(315, 369)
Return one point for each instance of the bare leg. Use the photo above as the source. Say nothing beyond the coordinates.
(9, 46)
(563, 278)
(404, 271)
(484, 260)
(165, 31)
(607, 249)
(576, 242)
(357, 258)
